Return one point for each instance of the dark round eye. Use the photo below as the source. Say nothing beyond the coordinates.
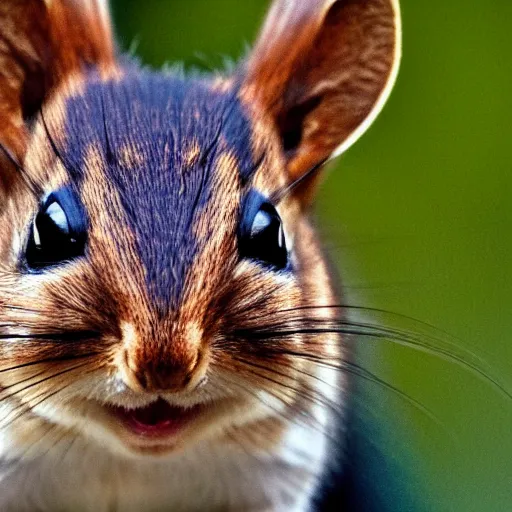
(58, 232)
(261, 232)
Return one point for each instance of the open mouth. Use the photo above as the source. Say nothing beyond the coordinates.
(156, 421)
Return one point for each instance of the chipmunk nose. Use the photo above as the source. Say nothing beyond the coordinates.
(157, 367)
(159, 375)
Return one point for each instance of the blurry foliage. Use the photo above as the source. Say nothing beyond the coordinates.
(418, 216)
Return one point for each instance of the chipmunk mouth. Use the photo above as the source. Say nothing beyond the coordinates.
(158, 421)
(161, 427)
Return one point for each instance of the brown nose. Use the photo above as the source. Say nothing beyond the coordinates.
(161, 360)
(160, 373)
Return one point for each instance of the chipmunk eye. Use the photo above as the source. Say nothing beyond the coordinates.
(58, 232)
(261, 234)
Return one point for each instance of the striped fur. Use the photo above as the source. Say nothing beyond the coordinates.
(162, 304)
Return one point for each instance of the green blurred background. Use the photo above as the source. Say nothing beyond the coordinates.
(417, 216)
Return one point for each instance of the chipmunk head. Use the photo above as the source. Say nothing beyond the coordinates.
(159, 277)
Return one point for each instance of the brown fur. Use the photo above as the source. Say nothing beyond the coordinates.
(338, 54)
(233, 335)
(42, 43)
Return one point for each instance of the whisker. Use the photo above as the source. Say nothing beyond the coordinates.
(20, 308)
(368, 376)
(331, 326)
(280, 194)
(63, 336)
(28, 408)
(286, 415)
(109, 152)
(50, 430)
(69, 447)
(48, 360)
(399, 316)
(436, 340)
(31, 184)
(53, 144)
(319, 400)
(351, 368)
(65, 433)
(45, 379)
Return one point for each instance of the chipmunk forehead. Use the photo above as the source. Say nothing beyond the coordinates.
(171, 156)
(157, 122)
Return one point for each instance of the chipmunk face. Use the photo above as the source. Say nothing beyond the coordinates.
(160, 284)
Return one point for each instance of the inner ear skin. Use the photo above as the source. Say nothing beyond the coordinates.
(32, 94)
(291, 124)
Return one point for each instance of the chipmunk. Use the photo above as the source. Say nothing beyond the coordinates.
(167, 339)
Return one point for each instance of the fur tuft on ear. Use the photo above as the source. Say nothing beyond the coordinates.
(322, 70)
(42, 42)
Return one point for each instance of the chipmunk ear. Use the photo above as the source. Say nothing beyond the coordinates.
(42, 42)
(323, 70)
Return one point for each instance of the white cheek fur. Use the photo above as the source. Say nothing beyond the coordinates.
(78, 464)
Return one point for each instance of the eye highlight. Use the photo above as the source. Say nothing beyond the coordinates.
(261, 234)
(58, 233)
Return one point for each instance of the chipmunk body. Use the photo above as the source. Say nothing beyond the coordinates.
(166, 335)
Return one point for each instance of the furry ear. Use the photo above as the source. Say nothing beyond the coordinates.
(322, 70)
(42, 42)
